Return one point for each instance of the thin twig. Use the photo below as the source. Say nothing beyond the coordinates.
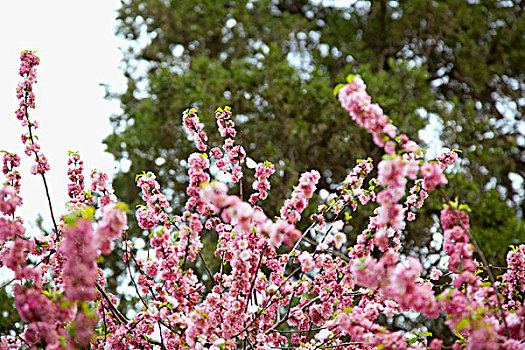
(268, 304)
(104, 319)
(18, 334)
(43, 176)
(207, 268)
(316, 251)
(311, 226)
(112, 307)
(249, 297)
(301, 331)
(240, 189)
(131, 276)
(186, 254)
(321, 347)
(7, 283)
(51, 252)
(161, 337)
(334, 252)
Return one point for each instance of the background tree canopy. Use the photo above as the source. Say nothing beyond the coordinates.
(454, 66)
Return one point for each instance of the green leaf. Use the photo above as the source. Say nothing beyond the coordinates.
(70, 219)
(360, 266)
(337, 88)
(122, 206)
(88, 212)
(441, 296)
(462, 324)
(351, 77)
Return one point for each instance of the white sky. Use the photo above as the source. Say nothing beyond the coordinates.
(78, 51)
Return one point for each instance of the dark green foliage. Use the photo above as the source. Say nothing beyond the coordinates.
(9, 317)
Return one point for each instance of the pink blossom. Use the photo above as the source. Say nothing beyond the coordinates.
(435, 274)
(447, 158)
(436, 344)
(9, 200)
(433, 175)
(411, 147)
(293, 207)
(262, 185)
(80, 266)
(194, 128)
(307, 263)
(110, 227)
(392, 172)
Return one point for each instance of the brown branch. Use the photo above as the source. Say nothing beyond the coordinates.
(38, 162)
(207, 268)
(268, 304)
(18, 334)
(112, 307)
(253, 281)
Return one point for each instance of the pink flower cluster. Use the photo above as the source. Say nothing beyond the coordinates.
(397, 281)
(110, 227)
(225, 124)
(262, 295)
(195, 128)
(74, 172)
(244, 216)
(100, 184)
(14, 246)
(352, 187)
(80, 268)
(294, 206)
(456, 240)
(469, 293)
(433, 175)
(416, 199)
(392, 173)
(199, 163)
(9, 200)
(41, 314)
(101, 193)
(447, 158)
(229, 164)
(350, 191)
(28, 61)
(262, 172)
(68, 261)
(46, 318)
(9, 227)
(26, 98)
(11, 161)
(155, 211)
(356, 101)
(513, 279)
